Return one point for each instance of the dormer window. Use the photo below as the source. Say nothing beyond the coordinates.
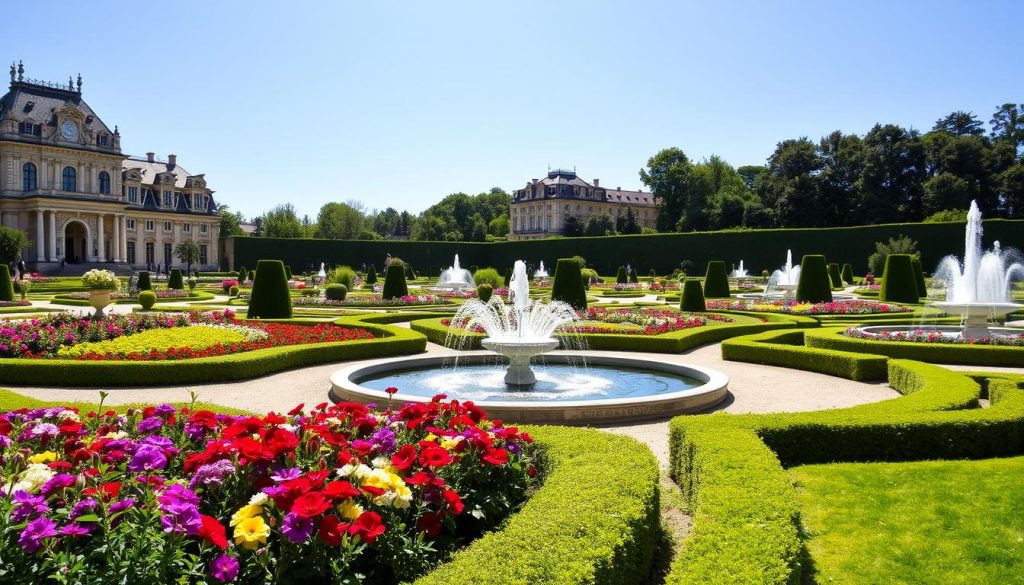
(29, 129)
(168, 199)
(101, 140)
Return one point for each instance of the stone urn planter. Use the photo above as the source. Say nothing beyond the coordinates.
(99, 299)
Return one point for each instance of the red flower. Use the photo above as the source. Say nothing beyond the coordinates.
(340, 490)
(332, 530)
(310, 505)
(280, 440)
(391, 390)
(368, 527)
(430, 522)
(108, 491)
(497, 456)
(404, 457)
(434, 457)
(455, 505)
(212, 531)
(297, 409)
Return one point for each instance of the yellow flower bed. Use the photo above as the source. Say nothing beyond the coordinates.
(195, 336)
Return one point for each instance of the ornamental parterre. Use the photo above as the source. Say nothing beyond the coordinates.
(932, 336)
(646, 321)
(370, 301)
(339, 494)
(802, 308)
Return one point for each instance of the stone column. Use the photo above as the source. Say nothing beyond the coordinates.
(115, 248)
(140, 241)
(214, 252)
(53, 236)
(122, 223)
(40, 241)
(101, 255)
(177, 240)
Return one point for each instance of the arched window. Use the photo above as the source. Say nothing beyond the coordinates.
(104, 183)
(70, 182)
(28, 177)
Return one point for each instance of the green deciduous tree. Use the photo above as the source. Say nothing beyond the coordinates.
(281, 222)
(12, 242)
(188, 253)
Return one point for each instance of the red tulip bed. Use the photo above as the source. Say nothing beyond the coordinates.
(338, 494)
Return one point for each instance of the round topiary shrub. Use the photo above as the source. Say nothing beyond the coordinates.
(371, 275)
(922, 288)
(898, 282)
(833, 275)
(395, 286)
(716, 280)
(176, 281)
(815, 286)
(233, 291)
(847, 273)
(243, 274)
(484, 292)
(147, 299)
(692, 298)
(487, 276)
(621, 277)
(270, 296)
(144, 282)
(6, 288)
(568, 285)
(336, 292)
(191, 282)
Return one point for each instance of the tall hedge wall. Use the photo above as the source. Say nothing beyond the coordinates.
(762, 249)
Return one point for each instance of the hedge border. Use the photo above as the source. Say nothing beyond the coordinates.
(195, 296)
(979, 355)
(786, 348)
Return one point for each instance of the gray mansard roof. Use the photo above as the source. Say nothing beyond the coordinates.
(562, 184)
(39, 104)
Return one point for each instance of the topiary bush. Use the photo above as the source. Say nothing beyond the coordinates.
(652, 273)
(922, 288)
(270, 296)
(343, 275)
(395, 286)
(176, 281)
(834, 276)
(847, 273)
(568, 285)
(692, 298)
(898, 282)
(487, 276)
(233, 291)
(633, 276)
(815, 285)
(716, 280)
(243, 274)
(144, 282)
(336, 292)
(371, 275)
(288, 271)
(147, 299)
(621, 277)
(508, 277)
(6, 287)
(191, 282)
(484, 292)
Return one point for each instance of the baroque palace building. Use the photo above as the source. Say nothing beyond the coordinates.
(65, 182)
(545, 206)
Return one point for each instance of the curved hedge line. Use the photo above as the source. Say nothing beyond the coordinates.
(389, 341)
(196, 295)
(786, 348)
(593, 521)
(731, 468)
(939, 353)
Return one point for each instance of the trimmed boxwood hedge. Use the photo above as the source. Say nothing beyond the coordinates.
(568, 286)
(898, 283)
(144, 282)
(6, 286)
(193, 296)
(593, 521)
(176, 281)
(716, 280)
(620, 276)
(786, 348)
(270, 298)
(939, 353)
(692, 297)
(847, 273)
(834, 276)
(394, 282)
(815, 284)
(922, 288)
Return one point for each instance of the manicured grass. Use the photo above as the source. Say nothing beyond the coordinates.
(923, 522)
(13, 401)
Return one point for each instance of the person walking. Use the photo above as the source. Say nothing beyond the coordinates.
(22, 268)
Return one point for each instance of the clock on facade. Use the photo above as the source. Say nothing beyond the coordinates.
(69, 130)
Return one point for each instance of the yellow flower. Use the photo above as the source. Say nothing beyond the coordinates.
(43, 457)
(246, 512)
(350, 510)
(251, 532)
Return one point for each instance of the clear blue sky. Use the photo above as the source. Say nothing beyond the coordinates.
(400, 103)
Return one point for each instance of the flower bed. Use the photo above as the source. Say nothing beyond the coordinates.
(338, 494)
(370, 301)
(647, 321)
(134, 294)
(928, 336)
(5, 304)
(162, 340)
(800, 308)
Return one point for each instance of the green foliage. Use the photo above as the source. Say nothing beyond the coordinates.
(233, 291)
(488, 276)
(633, 277)
(176, 282)
(568, 286)
(484, 292)
(833, 274)
(716, 280)
(394, 282)
(288, 271)
(898, 245)
(6, 288)
(230, 222)
(243, 274)
(938, 353)
(692, 299)
(922, 288)
(270, 296)
(814, 285)
(12, 242)
(336, 292)
(340, 221)
(371, 275)
(847, 273)
(620, 276)
(144, 282)
(589, 275)
(281, 222)
(508, 277)
(187, 252)
(786, 349)
(599, 224)
(191, 283)
(343, 275)
(461, 217)
(947, 215)
(899, 285)
(147, 299)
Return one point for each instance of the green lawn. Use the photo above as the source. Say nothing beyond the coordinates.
(923, 522)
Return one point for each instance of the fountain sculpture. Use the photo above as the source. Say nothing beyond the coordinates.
(740, 272)
(455, 277)
(786, 278)
(322, 275)
(540, 273)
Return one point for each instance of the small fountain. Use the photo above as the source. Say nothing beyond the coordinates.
(785, 279)
(740, 272)
(322, 275)
(540, 273)
(455, 277)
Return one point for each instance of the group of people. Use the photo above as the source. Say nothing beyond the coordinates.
(19, 269)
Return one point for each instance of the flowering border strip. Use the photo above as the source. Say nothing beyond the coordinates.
(786, 348)
(939, 353)
(197, 295)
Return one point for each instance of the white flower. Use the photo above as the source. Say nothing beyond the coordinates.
(258, 499)
(33, 478)
(380, 462)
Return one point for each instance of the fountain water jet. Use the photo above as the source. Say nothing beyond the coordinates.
(455, 277)
(785, 279)
(740, 272)
(540, 273)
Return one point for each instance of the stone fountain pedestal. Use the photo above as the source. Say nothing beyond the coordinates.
(788, 290)
(519, 353)
(974, 316)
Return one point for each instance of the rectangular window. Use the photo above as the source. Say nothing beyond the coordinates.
(133, 194)
(186, 227)
(168, 258)
(130, 223)
(150, 225)
(150, 256)
(167, 199)
(101, 140)
(178, 196)
(130, 249)
(203, 228)
(202, 254)
(167, 226)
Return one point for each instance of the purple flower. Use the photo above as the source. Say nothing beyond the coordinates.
(76, 529)
(181, 517)
(176, 493)
(165, 410)
(286, 474)
(275, 490)
(224, 568)
(385, 439)
(213, 473)
(296, 529)
(32, 536)
(121, 506)
(45, 430)
(150, 424)
(147, 458)
(26, 506)
(86, 505)
(59, 481)
(157, 441)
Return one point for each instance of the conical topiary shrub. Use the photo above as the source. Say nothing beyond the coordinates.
(815, 286)
(620, 276)
(898, 282)
(6, 286)
(176, 282)
(371, 275)
(922, 288)
(270, 297)
(847, 273)
(394, 282)
(633, 277)
(716, 280)
(833, 275)
(568, 285)
(243, 275)
(692, 298)
(144, 281)
(288, 271)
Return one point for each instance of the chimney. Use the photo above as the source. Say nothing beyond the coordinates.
(172, 160)
(597, 182)
(150, 156)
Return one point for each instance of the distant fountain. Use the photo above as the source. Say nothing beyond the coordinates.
(322, 275)
(786, 278)
(740, 272)
(540, 273)
(980, 287)
(518, 330)
(455, 277)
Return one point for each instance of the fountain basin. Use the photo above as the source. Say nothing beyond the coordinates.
(950, 331)
(697, 389)
(974, 316)
(519, 353)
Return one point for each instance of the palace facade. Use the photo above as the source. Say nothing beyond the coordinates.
(544, 206)
(65, 181)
